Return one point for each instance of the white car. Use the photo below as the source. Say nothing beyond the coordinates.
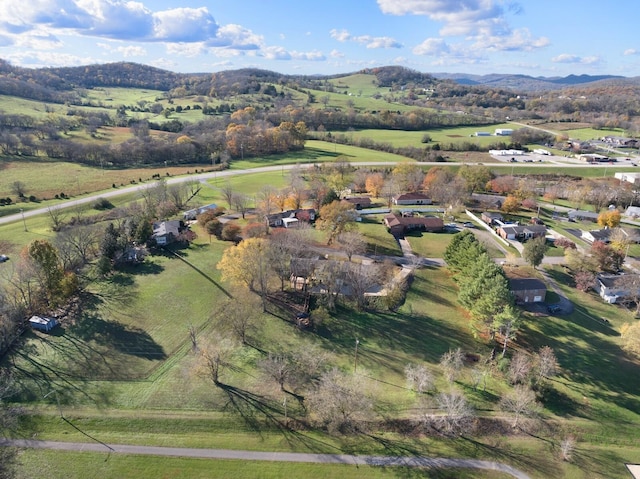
(3, 258)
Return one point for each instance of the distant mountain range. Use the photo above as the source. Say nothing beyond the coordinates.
(529, 83)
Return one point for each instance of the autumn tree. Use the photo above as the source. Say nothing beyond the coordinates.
(609, 219)
(374, 184)
(336, 218)
(238, 318)
(534, 251)
(475, 176)
(511, 204)
(408, 176)
(631, 337)
(607, 258)
(247, 264)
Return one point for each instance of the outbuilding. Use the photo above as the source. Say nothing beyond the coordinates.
(528, 290)
(43, 323)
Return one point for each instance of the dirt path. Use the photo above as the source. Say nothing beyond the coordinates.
(383, 461)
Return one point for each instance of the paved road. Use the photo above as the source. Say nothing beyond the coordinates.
(270, 456)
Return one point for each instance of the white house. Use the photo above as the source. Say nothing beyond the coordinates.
(615, 287)
(412, 199)
(503, 132)
(191, 214)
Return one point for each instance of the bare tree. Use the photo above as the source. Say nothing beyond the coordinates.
(456, 414)
(419, 378)
(519, 368)
(227, 193)
(567, 447)
(241, 204)
(361, 278)
(193, 337)
(352, 242)
(265, 199)
(451, 363)
(341, 401)
(78, 246)
(216, 356)
(520, 401)
(18, 188)
(57, 216)
(310, 362)
(546, 364)
(278, 367)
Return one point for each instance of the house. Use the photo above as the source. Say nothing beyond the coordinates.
(603, 235)
(166, 232)
(275, 220)
(488, 201)
(615, 287)
(632, 211)
(528, 290)
(359, 201)
(400, 225)
(43, 323)
(521, 232)
(193, 213)
(581, 215)
(491, 217)
(412, 199)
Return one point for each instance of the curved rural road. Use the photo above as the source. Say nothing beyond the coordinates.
(227, 173)
(382, 461)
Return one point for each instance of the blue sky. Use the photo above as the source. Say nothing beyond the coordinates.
(532, 37)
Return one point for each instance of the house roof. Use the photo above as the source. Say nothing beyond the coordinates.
(359, 200)
(582, 214)
(411, 196)
(428, 221)
(601, 235)
(618, 280)
(517, 229)
(492, 214)
(164, 228)
(526, 284)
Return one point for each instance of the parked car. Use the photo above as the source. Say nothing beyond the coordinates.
(468, 224)
(554, 308)
(3, 258)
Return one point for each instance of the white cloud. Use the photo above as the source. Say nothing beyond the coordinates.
(432, 46)
(184, 25)
(188, 50)
(568, 58)
(45, 59)
(368, 40)
(131, 51)
(314, 56)
(279, 53)
(518, 40)
(631, 51)
(336, 54)
(237, 37)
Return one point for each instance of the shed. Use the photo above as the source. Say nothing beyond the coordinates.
(412, 199)
(43, 323)
(528, 290)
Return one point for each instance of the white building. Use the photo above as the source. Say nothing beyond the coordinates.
(503, 132)
(632, 178)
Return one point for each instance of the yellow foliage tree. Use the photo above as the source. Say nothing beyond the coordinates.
(374, 183)
(247, 264)
(631, 337)
(609, 219)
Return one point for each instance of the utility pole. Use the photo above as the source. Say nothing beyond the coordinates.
(355, 362)
(23, 220)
